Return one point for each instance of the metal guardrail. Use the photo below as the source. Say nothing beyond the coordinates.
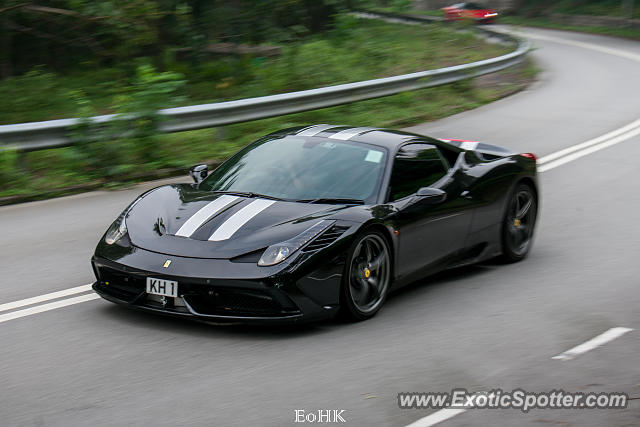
(400, 17)
(56, 133)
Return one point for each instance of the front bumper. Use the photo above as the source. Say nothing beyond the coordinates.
(291, 298)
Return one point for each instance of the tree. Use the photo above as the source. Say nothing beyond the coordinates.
(60, 33)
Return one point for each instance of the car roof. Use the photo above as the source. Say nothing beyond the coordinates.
(387, 138)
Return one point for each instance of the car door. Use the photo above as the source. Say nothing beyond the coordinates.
(430, 229)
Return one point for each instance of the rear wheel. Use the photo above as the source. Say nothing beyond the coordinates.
(367, 276)
(519, 223)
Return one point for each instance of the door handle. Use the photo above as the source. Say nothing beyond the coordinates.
(466, 195)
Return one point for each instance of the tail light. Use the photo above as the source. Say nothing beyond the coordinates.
(530, 156)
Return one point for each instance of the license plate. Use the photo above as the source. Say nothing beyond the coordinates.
(167, 288)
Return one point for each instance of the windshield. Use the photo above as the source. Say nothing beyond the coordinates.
(302, 168)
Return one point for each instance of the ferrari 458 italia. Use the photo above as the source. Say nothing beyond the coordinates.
(311, 222)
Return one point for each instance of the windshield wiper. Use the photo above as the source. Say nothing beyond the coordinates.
(329, 200)
(247, 194)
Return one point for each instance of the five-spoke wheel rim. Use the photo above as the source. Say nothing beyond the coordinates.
(521, 219)
(369, 273)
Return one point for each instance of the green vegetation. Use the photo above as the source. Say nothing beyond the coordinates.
(628, 33)
(386, 5)
(617, 8)
(354, 50)
(345, 50)
(539, 13)
(66, 33)
(433, 12)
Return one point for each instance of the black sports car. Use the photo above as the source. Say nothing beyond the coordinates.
(308, 222)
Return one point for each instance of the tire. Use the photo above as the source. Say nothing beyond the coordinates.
(518, 223)
(367, 276)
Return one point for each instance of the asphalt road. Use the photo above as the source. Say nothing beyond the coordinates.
(477, 328)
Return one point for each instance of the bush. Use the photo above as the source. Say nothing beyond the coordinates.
(130, 139)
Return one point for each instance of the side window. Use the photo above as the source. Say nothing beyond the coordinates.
(450, 156)
(415, 166)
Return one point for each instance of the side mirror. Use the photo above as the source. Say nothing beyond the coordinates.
(431, 195)
(199, 173)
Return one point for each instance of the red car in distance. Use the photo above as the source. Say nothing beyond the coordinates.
(471, 11)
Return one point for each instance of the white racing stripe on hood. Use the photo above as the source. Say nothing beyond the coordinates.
(240, 218)
(192, 224)
(314, 130)
(350, 133)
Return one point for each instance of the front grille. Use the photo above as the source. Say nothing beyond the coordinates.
(122, 285)
(325, 239)
(224, 301)
(206, 299)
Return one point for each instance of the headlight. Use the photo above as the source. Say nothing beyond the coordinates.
(277, 253)
(117, 230)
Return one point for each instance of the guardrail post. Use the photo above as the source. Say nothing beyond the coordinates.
(222, 132)
(23, 163)
(627, 11)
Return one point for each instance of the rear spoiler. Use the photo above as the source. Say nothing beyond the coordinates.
(486, 150)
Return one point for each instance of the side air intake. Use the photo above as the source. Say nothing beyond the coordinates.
(325, 239)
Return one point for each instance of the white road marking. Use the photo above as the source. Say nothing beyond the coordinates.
(240, 218)
(574, 152)
(437, 417)
(46, 307)
(595, 342)
(45, 297)
(553, 156)
(440, 416)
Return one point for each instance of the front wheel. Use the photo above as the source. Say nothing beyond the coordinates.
(367, 276)
(518, 223)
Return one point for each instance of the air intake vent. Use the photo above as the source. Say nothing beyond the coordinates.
(325, 239)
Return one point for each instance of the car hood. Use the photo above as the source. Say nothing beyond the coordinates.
(183, 221)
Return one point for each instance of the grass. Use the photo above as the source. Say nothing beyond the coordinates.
(572, 7)
(536, 14)
(627, 33)
(364, 50)
(432, 12)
